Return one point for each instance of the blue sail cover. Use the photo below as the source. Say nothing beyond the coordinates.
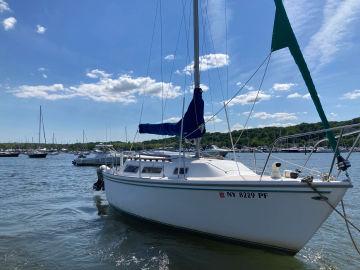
(193, 126)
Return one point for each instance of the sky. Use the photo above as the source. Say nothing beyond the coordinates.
(92, 65)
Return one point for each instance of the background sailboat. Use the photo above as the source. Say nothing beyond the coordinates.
(39, 153)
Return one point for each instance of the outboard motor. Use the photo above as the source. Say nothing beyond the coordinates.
(99, 185)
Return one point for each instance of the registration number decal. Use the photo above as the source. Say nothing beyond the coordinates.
(243, 195)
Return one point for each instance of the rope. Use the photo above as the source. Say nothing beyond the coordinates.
(348, 229)
(342, 215)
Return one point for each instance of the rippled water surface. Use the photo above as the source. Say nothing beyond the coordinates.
(50, 218)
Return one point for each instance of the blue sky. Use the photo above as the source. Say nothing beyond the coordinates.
(88, 63)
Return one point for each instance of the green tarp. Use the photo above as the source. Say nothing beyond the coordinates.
(284, 37)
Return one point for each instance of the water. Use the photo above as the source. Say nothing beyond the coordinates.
(50, 218)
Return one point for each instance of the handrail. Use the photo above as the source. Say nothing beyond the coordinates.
(326, 139)
(307, 134)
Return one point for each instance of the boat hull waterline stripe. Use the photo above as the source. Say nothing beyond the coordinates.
(138, 183)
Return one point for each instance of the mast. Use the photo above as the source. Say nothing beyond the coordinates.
(196, 44)
(126, 137)
(196, 60)
(39, 125)
(83, 137)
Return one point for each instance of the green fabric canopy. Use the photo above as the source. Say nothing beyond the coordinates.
(284, 37)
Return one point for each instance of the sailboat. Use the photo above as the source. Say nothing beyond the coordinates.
(39, 153)
(224, 198)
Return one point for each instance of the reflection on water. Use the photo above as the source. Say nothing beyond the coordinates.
(101, 207)
(52, 219)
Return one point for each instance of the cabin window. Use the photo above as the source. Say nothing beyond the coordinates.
(131, 169)
(181, 171)
(151, 170)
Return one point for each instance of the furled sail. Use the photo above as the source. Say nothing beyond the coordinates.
(193, 121)
(283, 36)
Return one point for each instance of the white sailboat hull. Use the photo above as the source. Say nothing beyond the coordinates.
(275, 215)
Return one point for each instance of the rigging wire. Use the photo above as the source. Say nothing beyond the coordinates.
(227, 77)
(187, 60)
(342, 215)
(175, 54)
(213, 48)
(235, 95)
(255, 100)
(206, 51)
(162, 82)
(147, 70)
(187, 34)
(348, 228)
(226, 50)
(227, 91)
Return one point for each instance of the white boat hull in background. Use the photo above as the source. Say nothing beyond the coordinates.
(275, 215)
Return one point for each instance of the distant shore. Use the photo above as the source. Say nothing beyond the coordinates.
(251, 139)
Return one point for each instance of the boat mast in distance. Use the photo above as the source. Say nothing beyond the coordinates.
(39, 153)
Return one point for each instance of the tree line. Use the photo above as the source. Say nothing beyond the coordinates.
(255, 137)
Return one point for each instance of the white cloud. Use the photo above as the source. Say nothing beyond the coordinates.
(209, 61)
(203, 87)
(4, 6)
(44, 75)
(249, 98)
(217, 22)
(352, 95)
(247, 87)
(297, 95)
(300, 12)
(41, 69)
(40, 29)
(174, 119)
(169, 57)
(9, 23)
(335, 30)
(283, 86)
(238, 126)
(276, 125)
(96, 74)
(123, 89)
(48, 92)
(209, 118)
(333, 115)
(280, 116)
(214, 119)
